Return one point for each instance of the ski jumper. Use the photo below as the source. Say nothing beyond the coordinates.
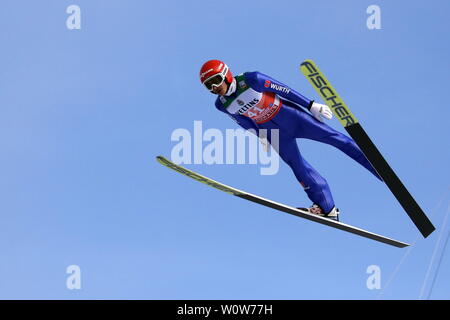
(261, 102)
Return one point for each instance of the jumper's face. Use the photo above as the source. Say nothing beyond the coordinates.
(221, 89)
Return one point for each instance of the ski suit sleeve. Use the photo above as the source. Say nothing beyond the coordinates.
(261, 82)
(243, 121)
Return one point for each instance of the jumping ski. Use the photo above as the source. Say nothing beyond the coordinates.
(356, 131)
(279, 206)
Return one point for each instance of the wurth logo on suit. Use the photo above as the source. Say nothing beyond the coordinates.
(269, 84)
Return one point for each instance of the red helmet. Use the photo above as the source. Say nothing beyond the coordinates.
(214, 72)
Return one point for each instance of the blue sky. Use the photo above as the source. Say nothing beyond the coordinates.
(84, 112)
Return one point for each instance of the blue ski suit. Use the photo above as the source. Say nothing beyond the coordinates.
(261, 102)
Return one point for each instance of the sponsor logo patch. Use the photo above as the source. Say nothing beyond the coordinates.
(261, 110)
(279, 88)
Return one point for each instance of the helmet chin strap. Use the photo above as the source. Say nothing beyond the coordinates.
(231, 88)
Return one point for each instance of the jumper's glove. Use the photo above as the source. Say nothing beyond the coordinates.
(320, 110)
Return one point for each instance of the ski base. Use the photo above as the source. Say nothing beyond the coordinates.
(279, 206)
(342, 112)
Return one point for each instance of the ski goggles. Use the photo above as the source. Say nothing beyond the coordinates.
(215, 80)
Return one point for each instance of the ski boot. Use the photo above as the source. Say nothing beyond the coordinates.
(316, 209)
